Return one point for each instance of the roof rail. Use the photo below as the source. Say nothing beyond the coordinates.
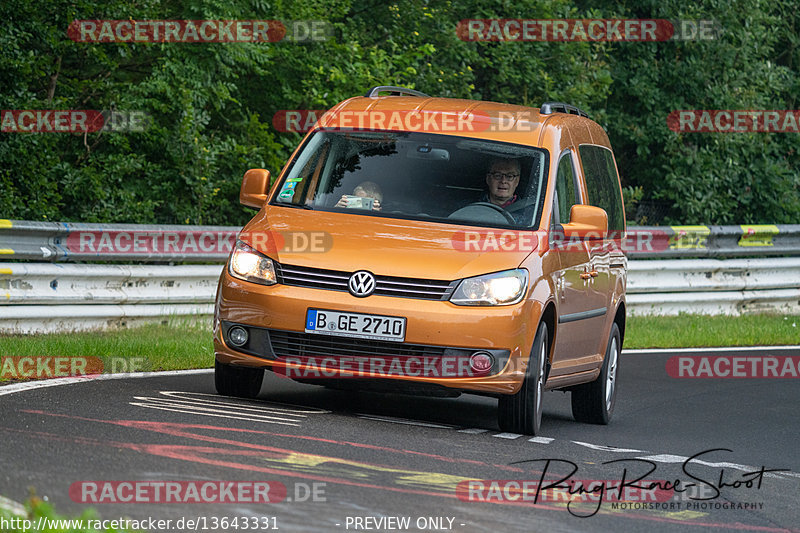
(398, 91)
(561, 107)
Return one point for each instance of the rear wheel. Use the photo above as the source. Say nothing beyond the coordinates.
(593, 402)
(522, 412)
(240, 381)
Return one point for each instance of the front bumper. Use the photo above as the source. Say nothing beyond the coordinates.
(274, 317)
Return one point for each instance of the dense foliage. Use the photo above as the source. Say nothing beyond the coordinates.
(212, 104)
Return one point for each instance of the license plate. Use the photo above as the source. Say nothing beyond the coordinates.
(378, 327)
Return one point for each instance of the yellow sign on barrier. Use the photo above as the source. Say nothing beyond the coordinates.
(689, 237)
(758, 235)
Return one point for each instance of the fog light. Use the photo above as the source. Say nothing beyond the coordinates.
(237, 335)
(481, 361)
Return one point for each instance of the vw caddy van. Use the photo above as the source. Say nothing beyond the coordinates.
(433, 246)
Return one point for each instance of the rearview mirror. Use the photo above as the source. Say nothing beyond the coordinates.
(255, 185)
(426, 152)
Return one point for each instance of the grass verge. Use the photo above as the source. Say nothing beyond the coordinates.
(690, 331)
(180, 345)
(176, 345)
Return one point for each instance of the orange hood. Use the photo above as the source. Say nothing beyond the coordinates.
(387, 246)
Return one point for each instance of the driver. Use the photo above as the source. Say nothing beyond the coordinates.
(502, 179)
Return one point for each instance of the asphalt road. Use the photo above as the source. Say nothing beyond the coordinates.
(371, 457)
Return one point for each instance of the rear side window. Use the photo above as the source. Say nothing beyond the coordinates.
(602, 183)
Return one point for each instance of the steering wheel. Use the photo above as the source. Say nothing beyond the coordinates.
(497, 208)
(520, 205)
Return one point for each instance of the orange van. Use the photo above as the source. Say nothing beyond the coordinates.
(434, 246)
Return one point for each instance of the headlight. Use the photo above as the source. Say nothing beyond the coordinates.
(501, 288)
(250, 265)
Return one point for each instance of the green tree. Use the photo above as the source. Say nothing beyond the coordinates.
(212, 104)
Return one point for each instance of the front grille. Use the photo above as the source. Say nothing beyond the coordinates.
(336, 280)
(293, 344)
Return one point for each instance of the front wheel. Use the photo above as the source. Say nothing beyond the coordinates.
(593, 402)
(522, 412)
(240, 381)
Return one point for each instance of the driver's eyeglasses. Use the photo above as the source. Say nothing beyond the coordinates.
(508, 176)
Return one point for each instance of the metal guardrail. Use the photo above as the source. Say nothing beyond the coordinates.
(68, 241)
(56, 296)
(714, 286)
(66, 284)
(47, 297)
(30, 319)
(713, 241)
(703, 275)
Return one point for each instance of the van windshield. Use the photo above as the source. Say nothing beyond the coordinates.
(418, 176)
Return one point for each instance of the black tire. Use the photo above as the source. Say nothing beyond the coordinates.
(593, 403)
(239, 381)
(522, 412)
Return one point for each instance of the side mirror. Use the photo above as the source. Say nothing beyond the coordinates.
(586, 222)
(255, 185)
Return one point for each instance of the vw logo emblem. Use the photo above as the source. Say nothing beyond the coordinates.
(361, 284)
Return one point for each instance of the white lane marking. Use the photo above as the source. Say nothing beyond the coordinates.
(656, 458)
(671, 459)
(473, 431)
(606, 448)
(666, 351)
(510, 436)
(189, 407)
(664, 458)
(32, 385)
(404, 421)
(221, 407)
(229, 417)
(216, 399)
